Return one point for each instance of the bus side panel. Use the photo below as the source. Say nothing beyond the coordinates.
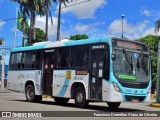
(17, 80)
(109, 94)
(63, 81)
(11, 80)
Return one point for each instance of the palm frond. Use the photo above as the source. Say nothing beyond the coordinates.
(157, 26)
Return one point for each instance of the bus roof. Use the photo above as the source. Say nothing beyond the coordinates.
(62, 43)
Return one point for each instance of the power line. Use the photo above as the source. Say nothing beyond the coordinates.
(72, 5)
(50, 10)
(8, 19)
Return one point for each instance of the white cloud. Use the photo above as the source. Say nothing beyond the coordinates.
(129, 28)
(84, 10)
(146, 13)
(81, 28)
(41, 23)
(150, 31)
(2, 24)
(92, 27)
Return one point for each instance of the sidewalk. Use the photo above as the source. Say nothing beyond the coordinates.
(4, 90)
(153, 103)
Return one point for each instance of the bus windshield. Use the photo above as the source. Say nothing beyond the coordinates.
(131, 65)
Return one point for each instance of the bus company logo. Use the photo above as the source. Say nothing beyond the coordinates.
(59, 76)
(78, 78)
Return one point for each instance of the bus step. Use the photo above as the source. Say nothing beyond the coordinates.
(46, 96)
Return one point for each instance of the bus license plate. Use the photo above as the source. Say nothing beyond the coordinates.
(135, 100)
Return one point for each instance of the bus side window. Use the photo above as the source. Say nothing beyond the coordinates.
(79, 56)
(15, 61)
(37, 59)
(62, 57)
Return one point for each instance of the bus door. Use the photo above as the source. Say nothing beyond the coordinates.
(97, 66)
(48, 67)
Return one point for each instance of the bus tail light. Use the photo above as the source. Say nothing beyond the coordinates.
(116, 87)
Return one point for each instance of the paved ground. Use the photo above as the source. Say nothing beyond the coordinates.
(11, 101)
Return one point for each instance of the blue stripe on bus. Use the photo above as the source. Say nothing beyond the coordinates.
(63, 89)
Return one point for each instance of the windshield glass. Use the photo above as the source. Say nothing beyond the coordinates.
(131, 66)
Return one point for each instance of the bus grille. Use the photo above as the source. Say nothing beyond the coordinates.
(130, 98)
(131, 85)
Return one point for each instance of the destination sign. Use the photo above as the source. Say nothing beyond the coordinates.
(98, 47)
(130, 45)
(52, 50)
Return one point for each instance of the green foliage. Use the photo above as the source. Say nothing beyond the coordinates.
(40, 36)
(152, 42)
(78, 37)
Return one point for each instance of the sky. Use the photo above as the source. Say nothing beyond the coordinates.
(96, 18)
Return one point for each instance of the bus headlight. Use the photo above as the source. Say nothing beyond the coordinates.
(149, 90)
(116, 87)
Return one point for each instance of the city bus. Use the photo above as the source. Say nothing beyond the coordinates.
(111, 70)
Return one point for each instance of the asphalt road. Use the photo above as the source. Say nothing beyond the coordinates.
(16, 102)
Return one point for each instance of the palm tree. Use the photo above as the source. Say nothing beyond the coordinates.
(48, 5)
(59, 16)
(30, 8)
(157, 26)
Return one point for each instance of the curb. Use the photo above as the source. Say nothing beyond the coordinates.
(155, 105)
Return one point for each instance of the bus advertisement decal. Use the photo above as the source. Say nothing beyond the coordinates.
(68, 75)
(129, 77)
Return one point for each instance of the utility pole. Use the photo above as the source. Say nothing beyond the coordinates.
(2, 62)
(122, 24)
(15, 31)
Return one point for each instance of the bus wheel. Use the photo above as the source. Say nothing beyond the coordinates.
(59, 100)
(113, 105)
(30, 93)
(80, 98)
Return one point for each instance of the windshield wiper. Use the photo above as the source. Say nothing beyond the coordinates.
(126, 56)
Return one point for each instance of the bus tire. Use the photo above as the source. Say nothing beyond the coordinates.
(59, 100)
(80, 98)
(30, 93)
(113, 105)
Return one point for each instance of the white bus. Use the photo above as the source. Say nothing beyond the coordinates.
(111, 70)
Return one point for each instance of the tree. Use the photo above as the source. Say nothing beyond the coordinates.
(59, 16)
(152, 42)
(78, 37)
(30, 8)
(39, 37)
